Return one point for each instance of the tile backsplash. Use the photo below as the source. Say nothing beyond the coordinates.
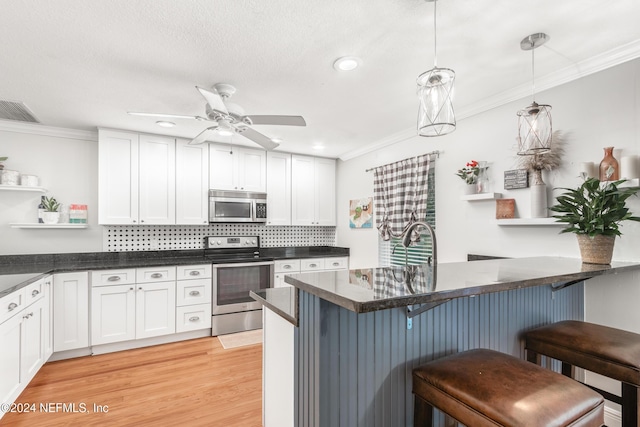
(119, 238)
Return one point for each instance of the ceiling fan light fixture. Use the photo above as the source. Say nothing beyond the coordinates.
(535, 128)
(435, 92)
(347, 63)
(165, 124)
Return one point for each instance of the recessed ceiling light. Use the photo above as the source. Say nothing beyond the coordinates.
(165, 124)
(276, 140)
(318, 147)
(347, 63)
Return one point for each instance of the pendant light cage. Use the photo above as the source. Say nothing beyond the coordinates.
(535, 127)
(435, 92)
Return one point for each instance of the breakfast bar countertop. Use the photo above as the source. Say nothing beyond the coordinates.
(367, 290)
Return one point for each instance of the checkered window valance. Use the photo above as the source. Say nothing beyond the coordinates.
(400, 191)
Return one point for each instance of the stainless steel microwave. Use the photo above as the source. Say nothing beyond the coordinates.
(237, 206)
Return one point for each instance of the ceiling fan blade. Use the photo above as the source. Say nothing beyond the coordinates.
(213, 99)
(173, 116)
(202, 136)
(278, 120)
(258, 138)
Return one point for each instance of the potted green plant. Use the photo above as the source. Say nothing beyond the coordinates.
(50, 214)
(594, 211)
(2, 160)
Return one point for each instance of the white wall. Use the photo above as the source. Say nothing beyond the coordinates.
(68, 169)
(599, 110)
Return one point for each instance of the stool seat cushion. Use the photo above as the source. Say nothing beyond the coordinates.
(607, 351)
(487, 388)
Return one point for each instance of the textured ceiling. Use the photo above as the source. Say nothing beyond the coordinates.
(83, 64)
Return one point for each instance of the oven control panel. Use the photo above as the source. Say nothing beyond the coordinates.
(223, 242)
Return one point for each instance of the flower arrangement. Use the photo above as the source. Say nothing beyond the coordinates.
(469, 173)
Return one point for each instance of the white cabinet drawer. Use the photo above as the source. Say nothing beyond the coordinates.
(155, 274)
(337, 263)
(193, 317)
(284, 266)
(190, 292)
(311, 264)
(11, 304)
(34, 291)
(187, 272)
(113, 277)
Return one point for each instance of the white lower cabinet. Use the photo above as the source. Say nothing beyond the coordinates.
(193, 311)
(284, 267)
(126, 311)
(24, 336)
(70, 311)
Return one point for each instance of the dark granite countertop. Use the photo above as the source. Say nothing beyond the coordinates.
(375, 289)
(283, 301)
(12, 267)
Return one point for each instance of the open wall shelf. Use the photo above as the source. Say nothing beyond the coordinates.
(38, 225)
(529, 221)
(22, 188)
(481, 196)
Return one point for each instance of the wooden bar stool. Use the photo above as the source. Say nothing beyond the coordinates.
(487, 388)
(610, 352)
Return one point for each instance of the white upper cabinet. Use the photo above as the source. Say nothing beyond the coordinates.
(192, 183)
(313, 191)
(136, 178)
(157, 180)
(117, 177)
(237, 168)
(278, 188)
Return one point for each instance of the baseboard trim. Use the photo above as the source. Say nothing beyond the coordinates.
(612, 418)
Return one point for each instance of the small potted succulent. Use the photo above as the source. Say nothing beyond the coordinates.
(50, 214)
(2, 160)
(593, 211)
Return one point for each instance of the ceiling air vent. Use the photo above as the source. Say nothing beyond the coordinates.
(12, 110)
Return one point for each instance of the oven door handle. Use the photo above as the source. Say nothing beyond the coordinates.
(243, 264)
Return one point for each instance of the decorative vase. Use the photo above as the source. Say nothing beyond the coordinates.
(597, 249)
(470, 189)
(609, 170)
(538, 196)
(482, 182)
(50, 217)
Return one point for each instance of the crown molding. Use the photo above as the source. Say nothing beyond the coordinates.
(601, 62)
(37, 129)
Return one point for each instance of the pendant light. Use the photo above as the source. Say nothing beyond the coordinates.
(435, 92)
(534, 121)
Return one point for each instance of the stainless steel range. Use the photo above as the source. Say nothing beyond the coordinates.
(236, 270)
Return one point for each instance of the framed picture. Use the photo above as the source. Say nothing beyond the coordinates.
(361, 213)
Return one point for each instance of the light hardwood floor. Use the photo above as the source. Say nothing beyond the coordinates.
(190, 383)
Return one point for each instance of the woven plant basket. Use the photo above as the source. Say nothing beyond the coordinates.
(597, 249)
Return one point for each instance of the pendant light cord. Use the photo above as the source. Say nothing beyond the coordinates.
(533, 73)
(435, 36)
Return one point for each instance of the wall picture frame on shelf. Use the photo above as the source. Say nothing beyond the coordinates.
(361, 213)
(516, 178)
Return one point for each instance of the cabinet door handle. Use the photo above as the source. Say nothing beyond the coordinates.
(286, 267)
(35, 292)
(194, 273)
(140, 288)
(313, 265)
(113, 278)
(130, 289)
(335, 264)
(156, 275)
(194, 318)
(12, 306)
(194, 293)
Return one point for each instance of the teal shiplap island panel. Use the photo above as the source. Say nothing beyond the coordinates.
(354, 369)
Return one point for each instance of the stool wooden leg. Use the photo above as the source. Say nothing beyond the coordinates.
(629, 406)
(533, 357)
(422, 413)
(567, 370)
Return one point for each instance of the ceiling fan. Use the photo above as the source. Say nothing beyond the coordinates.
(229, 118)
